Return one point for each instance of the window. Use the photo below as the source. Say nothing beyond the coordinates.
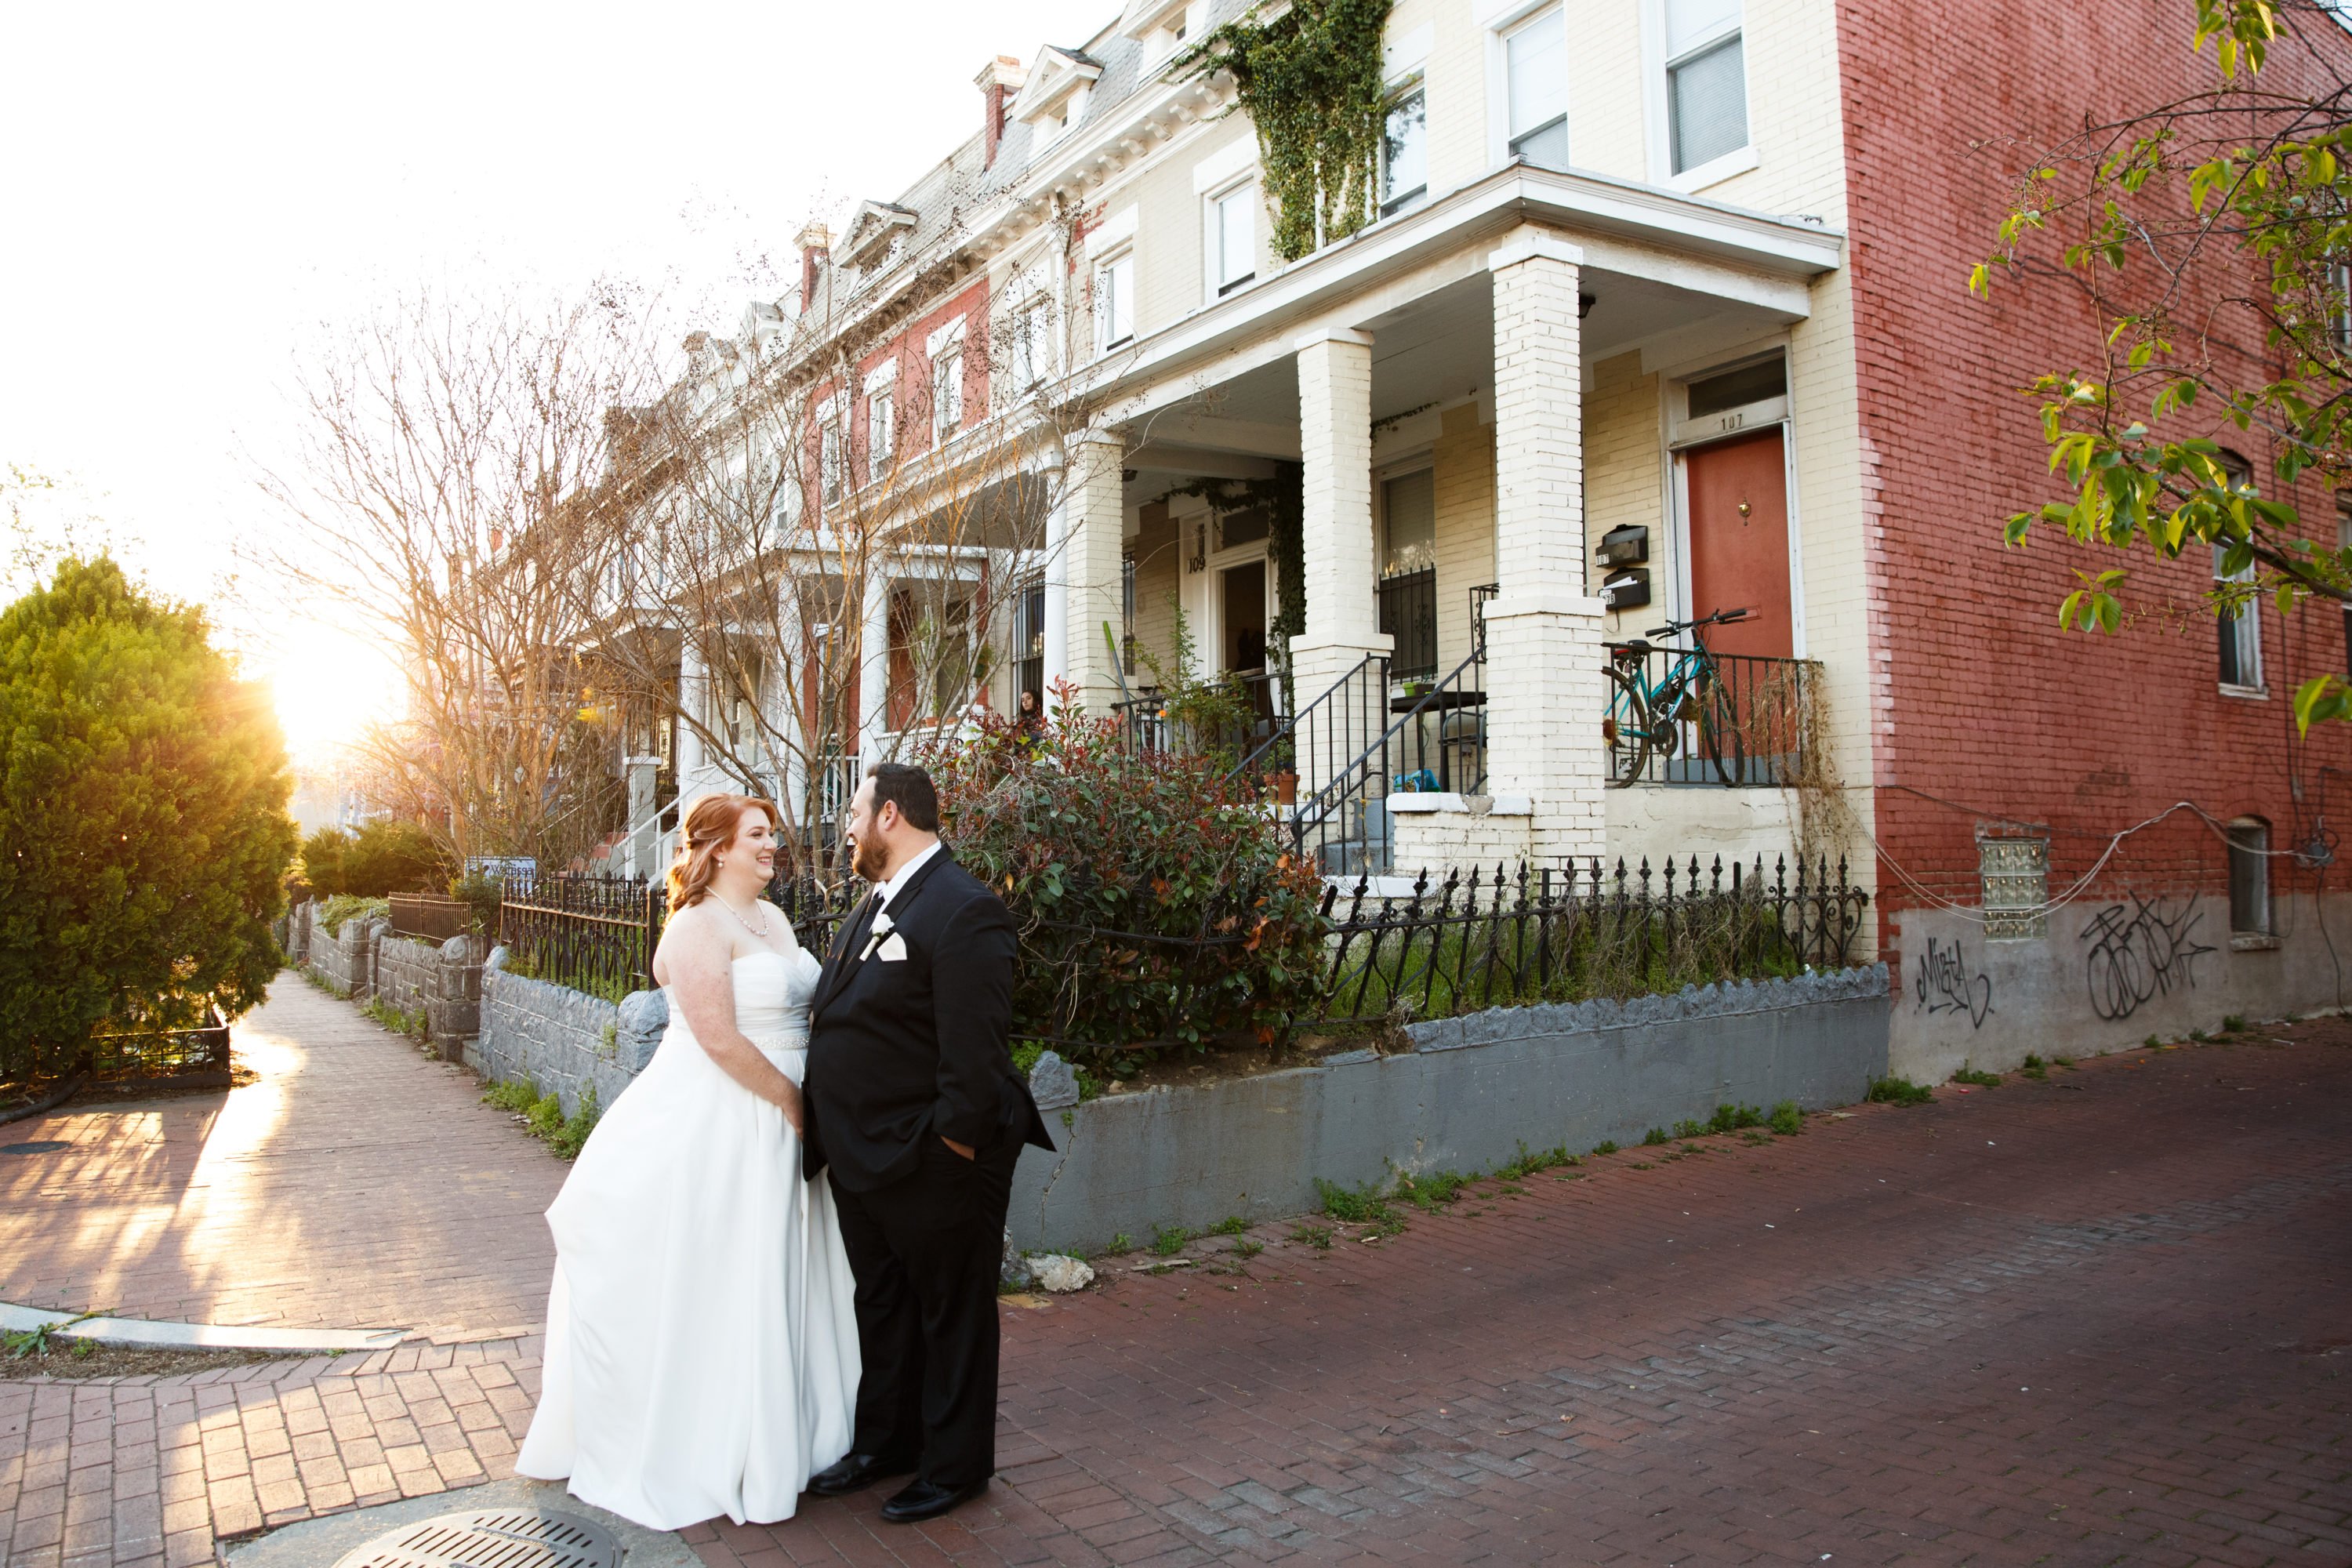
(1033, 351)
(1115, 303)
(1408, 587)
(2249, 877)
(2344, 541)
(1706, 81)
(2240, 633)
(1029, 641)
(1233, 238)
(1535, 65)
(1758, 382)
(830, 473)
(1404, 153)
(946, 394)
(881, 434)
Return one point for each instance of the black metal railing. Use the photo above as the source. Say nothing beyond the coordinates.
(598, 934)
(1342, 829)
(1475, 942)
(1408, 614)
(1737, 721)
(1148, 723)
(196, 1057)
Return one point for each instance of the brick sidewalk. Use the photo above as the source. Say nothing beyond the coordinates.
(357, 1185)
(2100, 1319)
(2095, 1320)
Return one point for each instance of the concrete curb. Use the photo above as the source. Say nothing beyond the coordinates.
(148, 1334)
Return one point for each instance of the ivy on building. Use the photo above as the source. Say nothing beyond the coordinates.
(1313, 83)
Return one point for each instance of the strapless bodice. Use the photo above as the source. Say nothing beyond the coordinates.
(772, 991)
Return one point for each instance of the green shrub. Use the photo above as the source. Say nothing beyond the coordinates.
(482, 894)
(545, 1119)
(143, 836)
(343, 908)
(1788, 1119)
(1084, 841)
(1899, 1091)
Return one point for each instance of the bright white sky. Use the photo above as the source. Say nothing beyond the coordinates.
(189, 191)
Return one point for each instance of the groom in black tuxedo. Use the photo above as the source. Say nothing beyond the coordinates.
(912, 1099)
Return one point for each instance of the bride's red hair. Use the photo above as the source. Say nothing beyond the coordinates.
(712, 823)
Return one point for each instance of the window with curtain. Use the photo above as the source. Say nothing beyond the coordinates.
(1404, 152)
(1706, 81)
(1535, 62)
(881, 434)
(946, 394)
(1032, 356)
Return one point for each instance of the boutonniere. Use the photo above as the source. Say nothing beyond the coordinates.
(875, 934)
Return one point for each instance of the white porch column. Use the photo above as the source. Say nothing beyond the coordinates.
(1057, 591)
(873, 665)
(1340, 559)
(1544, 676)
(693, 707)
(1085, 565)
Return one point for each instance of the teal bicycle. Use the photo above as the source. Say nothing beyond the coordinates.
(1647, 719)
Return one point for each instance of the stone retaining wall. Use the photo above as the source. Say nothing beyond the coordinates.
(1467, 1095)
(346, 960)
(407, 971)
(561, 1039)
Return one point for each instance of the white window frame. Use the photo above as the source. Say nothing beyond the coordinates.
(832, 461)
(1114, 308)
(1659, 102)
(2246, 624)
(1029, 354)
(1504, 24)
(1212, 235)
(947, 390)
(1401, 93)
(881, 420)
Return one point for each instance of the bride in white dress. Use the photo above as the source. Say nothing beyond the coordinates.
(702, 1339)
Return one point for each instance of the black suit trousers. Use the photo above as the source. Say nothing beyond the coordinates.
(926, 1251)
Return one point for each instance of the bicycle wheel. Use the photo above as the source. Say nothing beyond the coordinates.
(1626, 729)
(1722, 738)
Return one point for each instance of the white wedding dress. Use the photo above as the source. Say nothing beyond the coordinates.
(702, 1347)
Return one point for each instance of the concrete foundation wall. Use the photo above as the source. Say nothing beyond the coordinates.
(557, 1038)
(1469, 1093)
(2105, 975)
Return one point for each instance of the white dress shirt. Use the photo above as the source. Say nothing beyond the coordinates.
(889, 890)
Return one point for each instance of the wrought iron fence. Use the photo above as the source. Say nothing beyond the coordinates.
(200, 1055)
(1563, 934)
(598, 934)
(1408, 613)
(1731, 720)
(1145, 723)
(430, 917)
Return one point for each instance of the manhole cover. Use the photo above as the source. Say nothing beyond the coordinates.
(45, 1146)
(491, 1538)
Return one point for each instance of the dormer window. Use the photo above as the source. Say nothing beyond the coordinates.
(1053, 98)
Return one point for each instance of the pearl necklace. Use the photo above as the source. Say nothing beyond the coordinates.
(760, 931)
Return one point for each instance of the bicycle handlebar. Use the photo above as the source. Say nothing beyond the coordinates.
(1723, 616)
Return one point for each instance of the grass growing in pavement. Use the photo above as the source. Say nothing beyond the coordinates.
(1232, 1225)
(1788, 1119)
(2233, 1023)
(1899, 1091)
(544, 1114)
(1317, 1237)
(1980, 1079)
(2035, 1067)
(1168, 1241)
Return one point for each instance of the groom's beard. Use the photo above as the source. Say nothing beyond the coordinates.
(866, 859)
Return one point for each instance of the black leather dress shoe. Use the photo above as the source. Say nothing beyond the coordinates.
(923, 1500)
(855, 1473)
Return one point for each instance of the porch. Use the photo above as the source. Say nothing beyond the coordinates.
(1505, 456)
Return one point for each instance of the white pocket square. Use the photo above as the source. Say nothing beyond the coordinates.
(893, 949)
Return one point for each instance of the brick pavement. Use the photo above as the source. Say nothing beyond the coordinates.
(357, 1185)
(2096, 1319)
(154, 1471)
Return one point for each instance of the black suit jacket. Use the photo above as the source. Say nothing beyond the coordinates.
(905, 1050)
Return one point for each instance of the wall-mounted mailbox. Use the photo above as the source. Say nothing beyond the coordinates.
(1627, 546)
(1626, 590)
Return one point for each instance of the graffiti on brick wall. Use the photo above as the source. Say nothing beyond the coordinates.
(2147, 948)
(1943, 983)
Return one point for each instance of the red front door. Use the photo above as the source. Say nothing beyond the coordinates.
(1738, 493)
